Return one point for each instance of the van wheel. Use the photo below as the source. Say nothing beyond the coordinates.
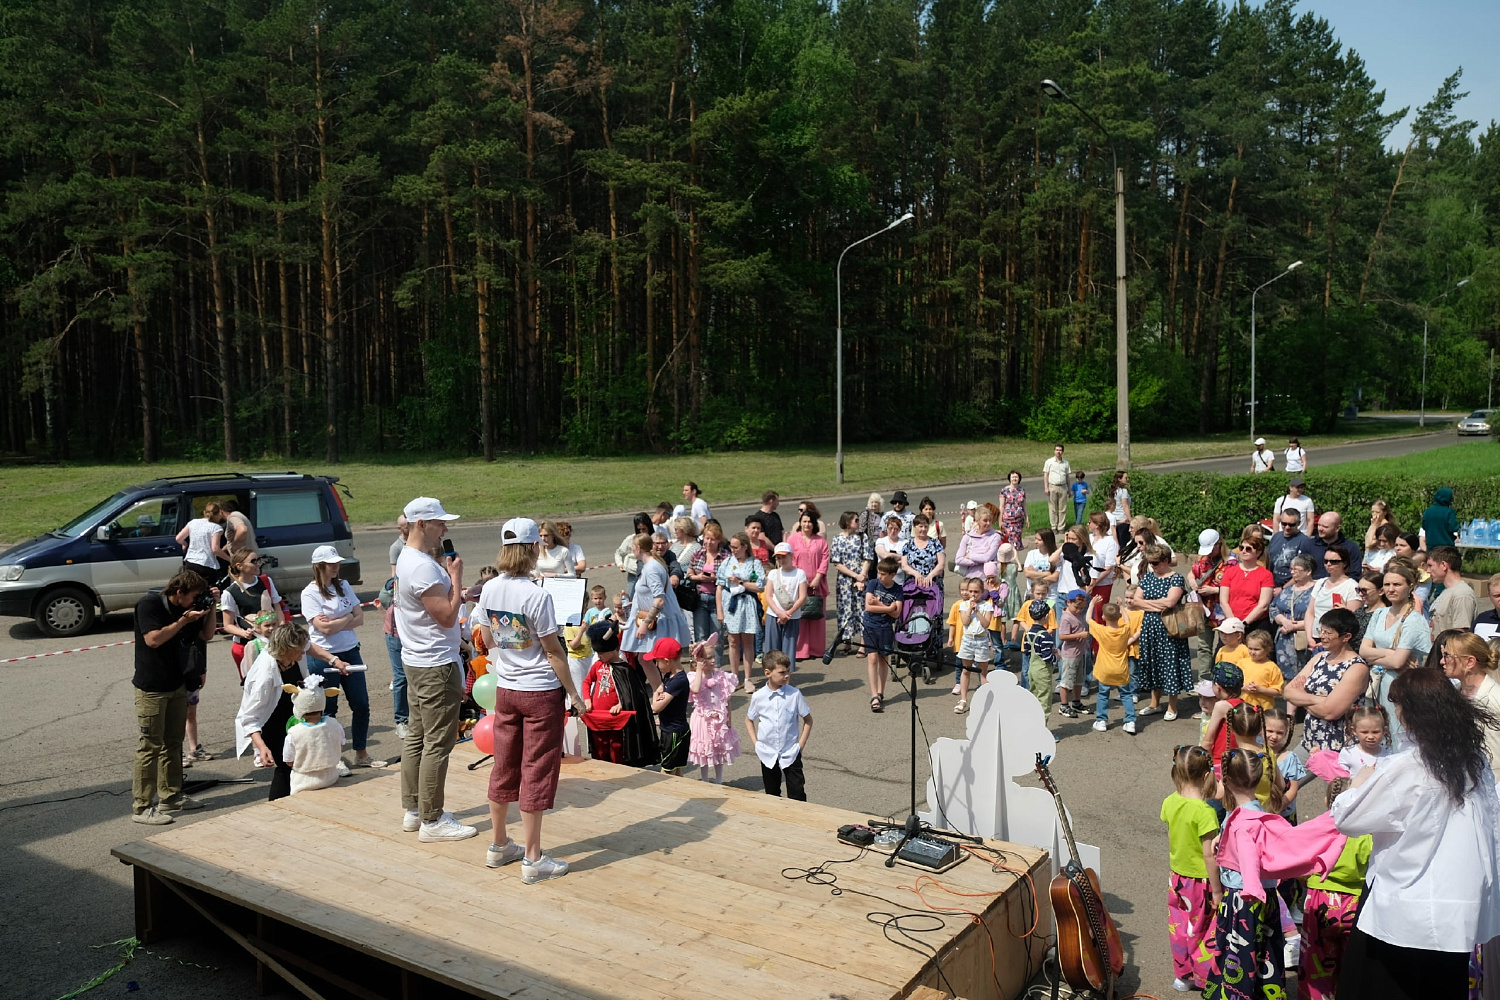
(65, 612)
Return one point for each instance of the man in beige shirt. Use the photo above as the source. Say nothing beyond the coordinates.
(1455, 606)
(1055, 474)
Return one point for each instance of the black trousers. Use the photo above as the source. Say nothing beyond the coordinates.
(1374, 970)
(796, 786)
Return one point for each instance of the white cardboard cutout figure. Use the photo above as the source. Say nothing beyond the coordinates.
(971, 789)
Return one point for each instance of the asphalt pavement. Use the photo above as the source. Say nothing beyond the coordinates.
(67, 734)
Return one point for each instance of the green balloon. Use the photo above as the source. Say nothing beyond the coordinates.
(484, 692)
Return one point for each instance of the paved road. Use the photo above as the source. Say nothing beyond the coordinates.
(64, 800)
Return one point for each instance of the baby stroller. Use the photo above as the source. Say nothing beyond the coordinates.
(919, 630)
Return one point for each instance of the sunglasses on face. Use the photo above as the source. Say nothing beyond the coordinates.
(252, 562)
(1333, 562)
(1249, 548)
(1290, 524)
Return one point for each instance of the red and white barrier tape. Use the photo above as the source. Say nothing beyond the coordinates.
(62, 652)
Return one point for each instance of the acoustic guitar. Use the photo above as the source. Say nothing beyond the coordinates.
(1088, 945)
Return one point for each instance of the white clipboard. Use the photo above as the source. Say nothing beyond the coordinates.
(568, 596)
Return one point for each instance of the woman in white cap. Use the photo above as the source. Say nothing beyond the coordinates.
(532, 676)
(333, 613)
(1205, 579)
(786, 593)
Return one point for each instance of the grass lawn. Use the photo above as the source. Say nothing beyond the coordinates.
(1482, 459)
(35, 498)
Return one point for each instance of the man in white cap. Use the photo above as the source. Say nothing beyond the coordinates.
(1262, 459)
(428, 598)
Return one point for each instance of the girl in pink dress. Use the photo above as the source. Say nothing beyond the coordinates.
(713, 739)
(810, 555)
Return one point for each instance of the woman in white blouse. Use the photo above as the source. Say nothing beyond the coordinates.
(265, 707)
(333, 613)
(555, 558)
(1433, 814)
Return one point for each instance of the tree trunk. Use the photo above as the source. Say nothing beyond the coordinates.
(221, 305)
(329, 268)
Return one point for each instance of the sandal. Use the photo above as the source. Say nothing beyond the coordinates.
(201, 754)
(876, 705)
(368, 761)
(962, 708)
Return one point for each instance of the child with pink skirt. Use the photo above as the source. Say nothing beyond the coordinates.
(714, 741)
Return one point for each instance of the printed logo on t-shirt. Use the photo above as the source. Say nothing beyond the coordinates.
(511, 629)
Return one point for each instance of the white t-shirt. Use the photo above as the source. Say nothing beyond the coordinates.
(1260, 461)
(784, 586)
(1106, 557)
(519, 613)
(424, 643)
(200, 546)
(1036, 559)
(314, 604)
(976, 625)
(700, 511)
(556, 561)
(1296, 460)
(1327, 595)
(575, 553)
(1304, 507)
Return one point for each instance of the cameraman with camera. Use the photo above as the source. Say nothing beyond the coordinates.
(172, 630)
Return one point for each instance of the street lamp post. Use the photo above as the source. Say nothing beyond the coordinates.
(838, 282)
(1289, 269)
(1422, 413)
(1122, 346)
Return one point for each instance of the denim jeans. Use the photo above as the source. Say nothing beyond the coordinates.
(398, 679)
(1127, 698)
(1078, 511)
(355, 689)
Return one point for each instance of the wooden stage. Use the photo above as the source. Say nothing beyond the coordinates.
(676, 890)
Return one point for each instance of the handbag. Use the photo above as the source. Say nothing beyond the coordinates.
(812, 608)
(1185, 620)
(688, 595)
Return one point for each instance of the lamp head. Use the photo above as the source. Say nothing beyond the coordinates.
(1051, 89)
(905, 218)
(1294, 265)
(1462, 283)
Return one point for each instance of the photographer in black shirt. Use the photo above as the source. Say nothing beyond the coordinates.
(172, 630)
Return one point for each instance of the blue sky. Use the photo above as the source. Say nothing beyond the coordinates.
(1410, 47)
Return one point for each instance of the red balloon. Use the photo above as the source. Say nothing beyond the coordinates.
(484, 734)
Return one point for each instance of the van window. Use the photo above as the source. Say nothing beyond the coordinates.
(282, 509)
(151, 518)
(83, 522)
(201, 501)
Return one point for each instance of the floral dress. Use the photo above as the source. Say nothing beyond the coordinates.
(1292, 603)
(1326, 734)
(1166, 665)
(1012, 514)
(1211, 574)
(926, 560)
(713, 737)
(850, 552)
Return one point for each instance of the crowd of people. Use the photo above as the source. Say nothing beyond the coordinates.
(1376, 650)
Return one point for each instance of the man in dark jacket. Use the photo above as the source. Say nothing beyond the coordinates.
(1439, 522)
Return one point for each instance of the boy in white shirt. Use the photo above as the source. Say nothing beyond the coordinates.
(779, 722)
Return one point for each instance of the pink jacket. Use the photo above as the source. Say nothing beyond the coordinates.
(1264, 845)
(975, 550)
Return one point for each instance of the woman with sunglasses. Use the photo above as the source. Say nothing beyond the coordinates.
(1247, 585)
(1165, 664)
(1331, 684)
(248, 593)
(1336, 590)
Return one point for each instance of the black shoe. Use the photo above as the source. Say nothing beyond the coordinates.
(1070, 711)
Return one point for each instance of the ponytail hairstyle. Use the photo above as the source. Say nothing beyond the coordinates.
(1280, 715)
(1247, 723)
(1193, 767)
(1243, 770)
(1465, 643)
(1362, 712)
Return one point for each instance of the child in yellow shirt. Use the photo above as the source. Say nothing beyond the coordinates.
(1112, 663)
(1263, 679)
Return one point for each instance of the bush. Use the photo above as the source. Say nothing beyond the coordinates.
(1184, 503)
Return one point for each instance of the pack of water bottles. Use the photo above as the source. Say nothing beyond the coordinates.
(1479, 533)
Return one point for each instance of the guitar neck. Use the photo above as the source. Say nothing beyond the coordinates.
(1062, 817)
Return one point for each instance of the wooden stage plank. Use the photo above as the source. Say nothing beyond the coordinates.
(676, 890)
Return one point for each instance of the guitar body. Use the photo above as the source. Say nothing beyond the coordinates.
(1088, 945)
(1082, 965)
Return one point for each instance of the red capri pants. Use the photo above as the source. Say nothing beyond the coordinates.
(528, 747)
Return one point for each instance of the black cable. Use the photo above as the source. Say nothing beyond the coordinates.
(900, 923)
(65, 798)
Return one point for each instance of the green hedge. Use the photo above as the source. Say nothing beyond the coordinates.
(1184, 503)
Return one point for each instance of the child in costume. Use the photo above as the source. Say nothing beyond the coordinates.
(1193, 892)
(713, 740)
(314, 740)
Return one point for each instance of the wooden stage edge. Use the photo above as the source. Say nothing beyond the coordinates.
(676, 890)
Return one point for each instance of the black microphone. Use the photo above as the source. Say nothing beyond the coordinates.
(828, 656)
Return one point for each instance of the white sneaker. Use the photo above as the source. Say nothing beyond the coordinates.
(498, 856)
(1182, 986)
(445, 827)
(152, 817)
(542, 869)
(343, 769)
(1100, 725)
(1130, 728)
(956, 690)
(401, 730)
(183, 802)
(411, 822)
